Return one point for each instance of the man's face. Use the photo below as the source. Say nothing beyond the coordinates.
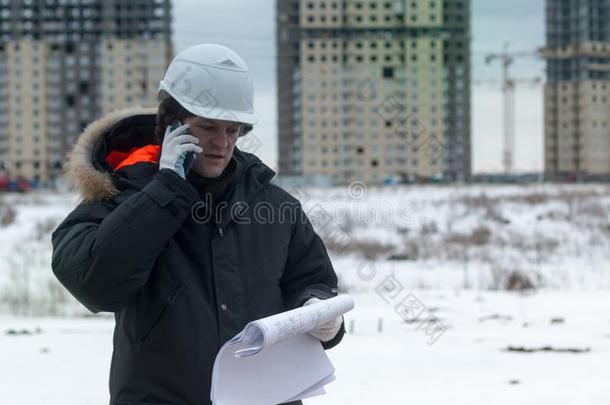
(217, 139)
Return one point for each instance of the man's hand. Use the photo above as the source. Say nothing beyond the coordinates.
(176, 144)
(328, 330)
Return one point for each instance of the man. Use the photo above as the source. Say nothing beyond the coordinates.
(142, 244)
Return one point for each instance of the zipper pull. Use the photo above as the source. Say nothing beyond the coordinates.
(221, 232)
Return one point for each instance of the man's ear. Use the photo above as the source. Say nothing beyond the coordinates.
(245, 128)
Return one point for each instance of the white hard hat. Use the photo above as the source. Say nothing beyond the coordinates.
(211, 81)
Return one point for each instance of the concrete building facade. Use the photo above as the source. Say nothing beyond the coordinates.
(372, 90)
(577, 92)
(64, 63)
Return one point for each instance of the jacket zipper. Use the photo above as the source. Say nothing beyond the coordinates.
(159, 316)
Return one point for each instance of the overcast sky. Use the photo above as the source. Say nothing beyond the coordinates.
(248, 27)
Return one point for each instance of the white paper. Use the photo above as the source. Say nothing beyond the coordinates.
(274, 360)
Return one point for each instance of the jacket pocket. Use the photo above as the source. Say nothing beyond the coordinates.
(156, 319)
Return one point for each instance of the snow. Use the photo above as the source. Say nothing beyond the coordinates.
(66, 362)
(466, 365)
(455, 248)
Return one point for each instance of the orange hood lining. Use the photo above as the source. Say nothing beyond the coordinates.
(118, 159)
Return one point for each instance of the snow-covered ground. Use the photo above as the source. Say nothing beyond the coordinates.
(449, 252)
(66, 361)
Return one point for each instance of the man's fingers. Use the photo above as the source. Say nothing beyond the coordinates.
(323, 337)
(182, 128)
(180, 139)
(190, 147)
(312, 300)
(331, 325)
(176, 132)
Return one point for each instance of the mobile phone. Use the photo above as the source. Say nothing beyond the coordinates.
(190, 157)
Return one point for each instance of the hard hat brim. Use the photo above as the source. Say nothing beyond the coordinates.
(208, 111)
(220, 114)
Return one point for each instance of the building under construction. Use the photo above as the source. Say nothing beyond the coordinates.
(64, 63)
(577, 109)
(373, 90)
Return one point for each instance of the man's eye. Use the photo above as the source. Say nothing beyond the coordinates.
(207, 127)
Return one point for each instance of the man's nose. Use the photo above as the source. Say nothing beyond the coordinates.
(221, 138)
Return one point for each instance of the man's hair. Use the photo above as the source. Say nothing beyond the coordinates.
(170, 110)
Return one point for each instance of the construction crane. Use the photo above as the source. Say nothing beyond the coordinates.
(507, 58)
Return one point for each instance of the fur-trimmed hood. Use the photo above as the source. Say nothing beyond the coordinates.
(89, 172)
(89, 181)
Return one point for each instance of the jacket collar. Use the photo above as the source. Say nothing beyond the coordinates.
(252, 176)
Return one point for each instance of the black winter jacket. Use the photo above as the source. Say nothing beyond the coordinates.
(179, 286)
